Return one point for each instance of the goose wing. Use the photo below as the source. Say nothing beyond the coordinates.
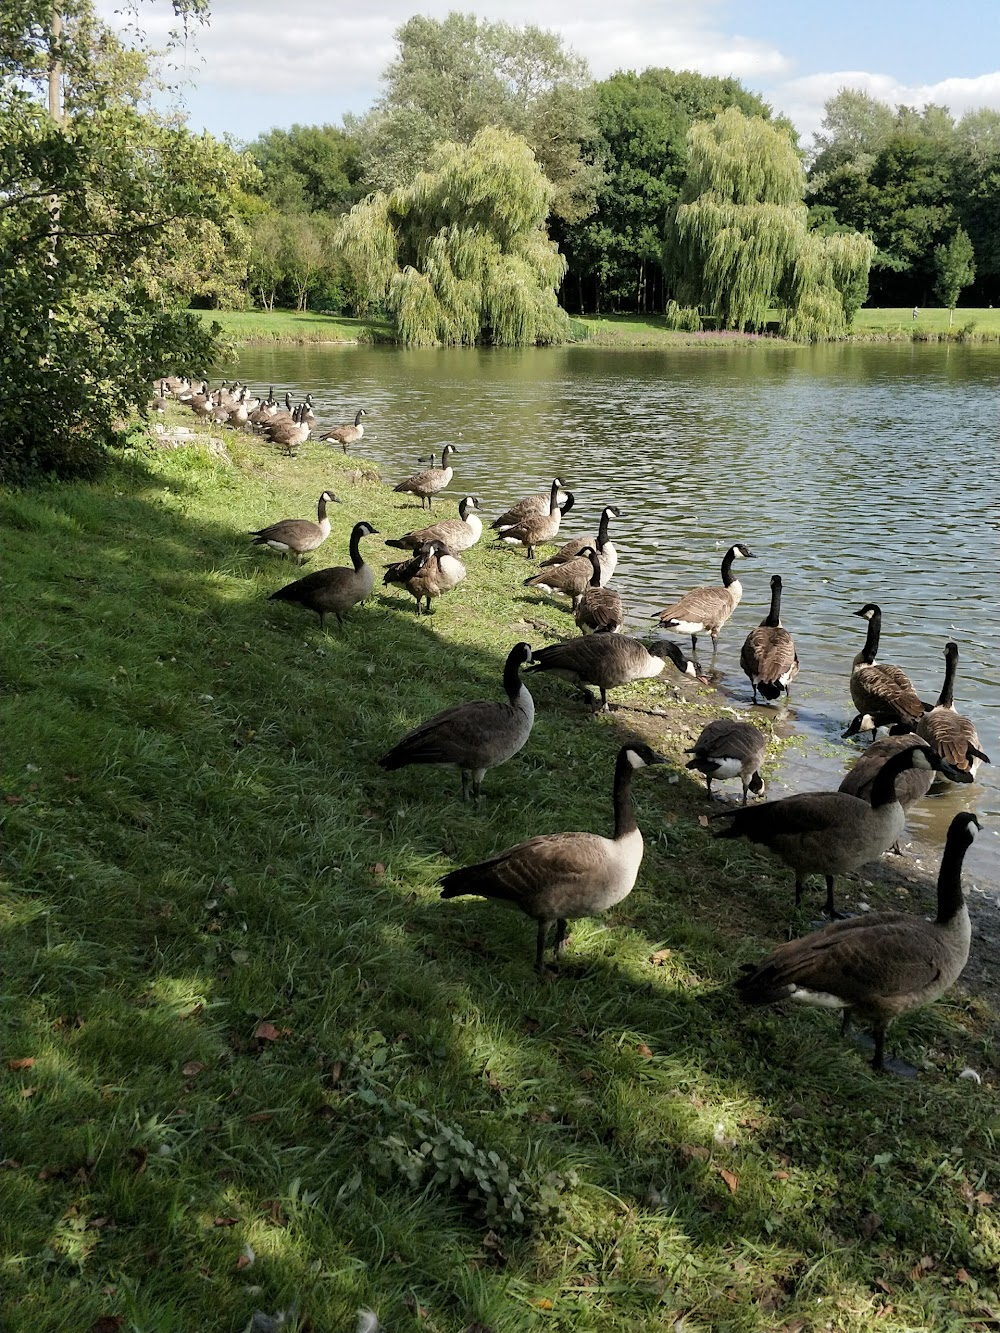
(522, 874)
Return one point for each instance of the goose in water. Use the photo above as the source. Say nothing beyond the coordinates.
(768, 655)
(877, 688)
(706, 610)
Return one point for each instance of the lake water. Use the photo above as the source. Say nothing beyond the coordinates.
(857, 473)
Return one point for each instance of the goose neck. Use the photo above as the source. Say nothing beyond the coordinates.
(622, 797)
(773, 619)
(870, 650)
(884, 787)
(728, 577)
(950, 899)
(356, 556)
(946, 699)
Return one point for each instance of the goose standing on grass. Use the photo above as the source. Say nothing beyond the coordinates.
(346, 435)
(877, 688)
(830, 833)
(948, 732)
(602, 544)
(768, 655)
(706, 610)
(297, 535)
(432, 572)
(335, 590)
(559, 876)
(476, 736)
(571, 578)
(288, 435)
(431, 480)
(730, 749)
(534, 529)
(534, 504)
(880, 966)
(607, 661)
(458, 534)
(600, 609)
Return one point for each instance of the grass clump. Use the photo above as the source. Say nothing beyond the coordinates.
(254, 1063)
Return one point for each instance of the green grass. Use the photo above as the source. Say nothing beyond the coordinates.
(246, 327)
(238, 1021)
(977, 325)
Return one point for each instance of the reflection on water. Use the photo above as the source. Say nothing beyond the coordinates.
(861, 473)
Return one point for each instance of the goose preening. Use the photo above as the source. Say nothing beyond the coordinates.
(879, 966)
(768, 655)
(730, 749)
(571, 577)
(476, 736)
(430, 573)
(911, 786)
(534, 529)
(335, 590)
(706, 610)
(431, 480)
(559, 876)
(297, 535)
(950, 733)
(458, 534)
(609, 660)
(879, 689)
(830, 833)
(600, 609)
(534, 504)
(602, 544)
(348, 434)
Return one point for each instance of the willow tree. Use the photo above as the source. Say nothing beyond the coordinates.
(738, 243)
(461, 255)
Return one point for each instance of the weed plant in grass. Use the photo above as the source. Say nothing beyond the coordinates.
(252, 1062)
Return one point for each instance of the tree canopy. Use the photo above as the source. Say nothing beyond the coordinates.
(458, 75)
(99, 201)
(739, 243)
(461, 255)
(308, 168)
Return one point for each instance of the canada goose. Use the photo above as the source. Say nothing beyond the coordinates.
(602, 543)
(475, 736)
(288, 434)
(336, 589)
(730, 749)
(458, 534)
(599, 609)
(572, 577)
(160, 400)
(768, 655)
(829, 832)
(878, 688)
(911, 786)
(346, 435)
(706, 610)
(432, 572)
(431, 480)
(558, 876)
(534, 529)
(297, 535)
(534, 504)
(607, 661)
(877, 966)
(948, 732)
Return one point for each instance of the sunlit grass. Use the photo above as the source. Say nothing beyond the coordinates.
(235, 1008)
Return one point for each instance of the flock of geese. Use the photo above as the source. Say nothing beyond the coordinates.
(875, 966)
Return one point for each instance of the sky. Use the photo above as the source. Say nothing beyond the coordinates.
(262, 64)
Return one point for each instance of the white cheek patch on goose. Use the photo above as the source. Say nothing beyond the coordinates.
(636, 760)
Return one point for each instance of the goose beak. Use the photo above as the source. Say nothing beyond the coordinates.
(955, 774)
(657, 758)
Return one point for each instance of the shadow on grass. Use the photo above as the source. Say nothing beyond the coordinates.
(233, 990)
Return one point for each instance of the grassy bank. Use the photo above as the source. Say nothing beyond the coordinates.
(252, 1062)
(256, 327)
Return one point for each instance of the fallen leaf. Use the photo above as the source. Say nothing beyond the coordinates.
(660, 957)
(260, 1117)
(99, 1223)
(336, 1069)
(10, 1164)
(782, 1175)
(881, 1282)
(703, 820)
(414, 1306)
(225, 1221)
(733, 1181)
(246, 1258)
(26, 1062)
(542, 1303)
(28, 1092)
(191, 1068)
(961, 1275)
(267, 1032)
(14, 800)
(694, 1151)
(644, 1051)
(378, 869)
(983, 1199)
(107, 1323)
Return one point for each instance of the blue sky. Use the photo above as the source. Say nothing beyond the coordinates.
(262, 64)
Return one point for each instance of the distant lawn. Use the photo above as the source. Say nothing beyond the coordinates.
(247, 327)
